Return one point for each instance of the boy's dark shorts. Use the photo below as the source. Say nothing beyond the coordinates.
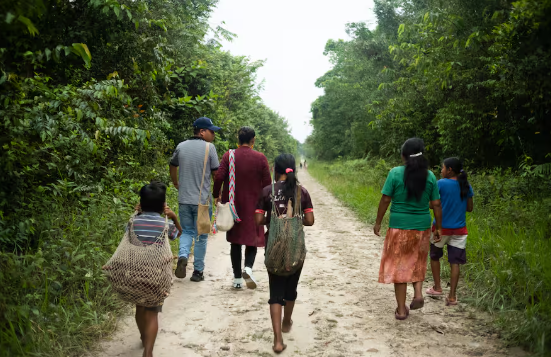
(155, 308)
(455, 255)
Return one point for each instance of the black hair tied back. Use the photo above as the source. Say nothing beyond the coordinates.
(245, 135)
(282, 163)
(457, 167)
(417, 168)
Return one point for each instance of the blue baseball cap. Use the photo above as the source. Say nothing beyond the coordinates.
(205, 123)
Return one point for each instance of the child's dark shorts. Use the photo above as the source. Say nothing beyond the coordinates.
(283, 288)
(456, 240)
(155, 308)
(455, 255)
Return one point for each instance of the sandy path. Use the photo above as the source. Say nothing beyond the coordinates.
(341, 309)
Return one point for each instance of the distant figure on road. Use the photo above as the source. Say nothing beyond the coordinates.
(412, 189)
(283, 289)
(457, 198)
(252, 174)
(186, 171)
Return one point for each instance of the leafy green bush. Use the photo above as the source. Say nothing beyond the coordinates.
(509, 270)
(62, 142)
(94, 96)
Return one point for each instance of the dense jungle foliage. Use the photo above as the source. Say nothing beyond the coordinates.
(94, 96)
(473, 79)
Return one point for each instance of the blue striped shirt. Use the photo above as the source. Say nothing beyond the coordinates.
(148, 226)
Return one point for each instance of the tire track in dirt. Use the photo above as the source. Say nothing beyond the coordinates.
(341, 310)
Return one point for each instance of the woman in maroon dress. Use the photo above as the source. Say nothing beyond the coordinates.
(252, 174)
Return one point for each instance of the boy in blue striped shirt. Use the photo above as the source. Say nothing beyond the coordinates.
(148, 226)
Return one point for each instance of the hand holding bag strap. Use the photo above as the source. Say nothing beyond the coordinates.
(204, 168)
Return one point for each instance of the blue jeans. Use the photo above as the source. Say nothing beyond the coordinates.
(188, 220)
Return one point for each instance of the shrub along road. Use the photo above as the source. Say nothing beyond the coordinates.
(341, 309)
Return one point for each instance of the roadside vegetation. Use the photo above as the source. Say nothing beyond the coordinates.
(473, 80)
(94, 97)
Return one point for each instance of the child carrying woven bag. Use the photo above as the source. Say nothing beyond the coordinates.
(140, 270)
(284, 207)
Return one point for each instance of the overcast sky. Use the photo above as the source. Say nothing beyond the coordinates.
(291, 37)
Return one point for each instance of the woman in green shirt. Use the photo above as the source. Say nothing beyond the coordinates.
(410, 188)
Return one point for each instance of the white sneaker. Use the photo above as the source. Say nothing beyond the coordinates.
(249, 278)
(238, 283)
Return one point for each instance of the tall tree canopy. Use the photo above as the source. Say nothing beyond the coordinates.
(90, 88)
(472, 78)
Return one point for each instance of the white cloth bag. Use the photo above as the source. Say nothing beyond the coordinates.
(224, 217)
(225, 212)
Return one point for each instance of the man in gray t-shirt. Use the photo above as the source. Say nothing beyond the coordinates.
(186, 171)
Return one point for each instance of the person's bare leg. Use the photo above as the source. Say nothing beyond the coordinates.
(418, 290)
(151, 328)
(454, 281)
(140, 321)
(435, 267)
(400, 290)
(288, 312)
(275, 313)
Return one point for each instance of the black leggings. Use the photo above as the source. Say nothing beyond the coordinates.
(235, 253)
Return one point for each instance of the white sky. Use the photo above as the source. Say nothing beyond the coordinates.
(291, 37)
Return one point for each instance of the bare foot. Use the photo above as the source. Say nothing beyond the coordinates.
(417, 303)
(279, 347)
(286, 326)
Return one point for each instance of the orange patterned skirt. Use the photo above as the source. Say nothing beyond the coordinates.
(404, 258)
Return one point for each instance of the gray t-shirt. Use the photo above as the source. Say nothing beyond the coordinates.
(189, 157)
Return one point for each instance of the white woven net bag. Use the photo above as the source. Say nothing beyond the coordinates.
(141, 273)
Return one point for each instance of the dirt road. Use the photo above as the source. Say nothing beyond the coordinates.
(341, 309)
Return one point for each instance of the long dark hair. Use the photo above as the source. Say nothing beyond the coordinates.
(417, 167)
(282, 163)
(457, 168)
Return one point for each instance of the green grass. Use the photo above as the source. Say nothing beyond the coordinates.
(509, 267)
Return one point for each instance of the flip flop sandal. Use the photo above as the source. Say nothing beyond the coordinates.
(431, 291)
(401, 317)
(417, 304)
(451, 302)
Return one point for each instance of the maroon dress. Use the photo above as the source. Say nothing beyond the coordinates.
(252, 174)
